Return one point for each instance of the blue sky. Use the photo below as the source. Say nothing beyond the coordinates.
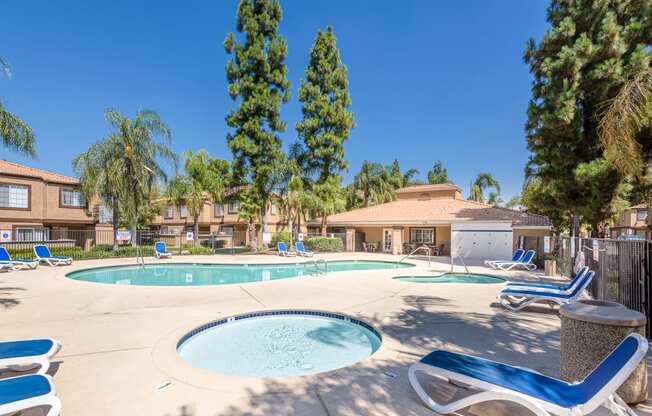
(429, 80)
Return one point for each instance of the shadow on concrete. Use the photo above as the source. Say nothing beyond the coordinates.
(380, 386)
(7, 296)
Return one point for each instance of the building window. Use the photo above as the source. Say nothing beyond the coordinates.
(183, 211)
(72, 198)
(274, 209)
(422, 235)
(32, 234)
(641, 214)
(169, 212)
(104, 214)
(226, 230)
(218, 210)
(14, 196)
(234, 206)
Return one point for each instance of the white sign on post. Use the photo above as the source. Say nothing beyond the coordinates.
(190, 236)
(300, 237)
(596, 250)
(5, 235)
(546, 244)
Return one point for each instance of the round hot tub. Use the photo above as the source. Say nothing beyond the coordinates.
(282, 343)
(453, 278)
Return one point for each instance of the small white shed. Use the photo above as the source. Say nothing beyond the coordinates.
(482, 240)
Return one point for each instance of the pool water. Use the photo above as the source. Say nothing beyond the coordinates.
(293, 344)
(453, 278)
(187, 274)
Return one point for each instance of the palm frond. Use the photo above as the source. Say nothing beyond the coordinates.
(16, 134)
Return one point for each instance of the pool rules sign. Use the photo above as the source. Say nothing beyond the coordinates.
(5, 236)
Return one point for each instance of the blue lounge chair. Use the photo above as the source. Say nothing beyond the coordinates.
(283, 250)
(518, 298)
(161, 250)
(525, 262)
(541, 394)
(301, 249)
(28, 353)
(27, 392)
(550, 287)
(19, 264)
(518, 255)
(42, 253)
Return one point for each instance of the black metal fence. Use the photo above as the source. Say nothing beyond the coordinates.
(623, 270)
(97, 244)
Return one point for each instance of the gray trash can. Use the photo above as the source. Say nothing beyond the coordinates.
(590, 330)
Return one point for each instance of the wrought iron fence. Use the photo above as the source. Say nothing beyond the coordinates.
(623, 271)
(97, 244)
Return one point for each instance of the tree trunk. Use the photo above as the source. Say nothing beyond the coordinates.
(195, 229)
(323, 225)
(116, 222)
(263, 223)
(253, 235)
(134, 232)
(575, 225)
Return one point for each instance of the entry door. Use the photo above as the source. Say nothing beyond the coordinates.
(387, 240)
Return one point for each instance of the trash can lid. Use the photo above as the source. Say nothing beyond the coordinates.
(602, 312)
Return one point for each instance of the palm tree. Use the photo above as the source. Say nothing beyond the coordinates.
(205, 179)
(98, 178)
(136, 158)
(14, 132)
(622, 121)
(374, 184)
(483, 182)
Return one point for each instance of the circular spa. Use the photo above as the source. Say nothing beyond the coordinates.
(453, 278)
(190, 274)
(283, 343)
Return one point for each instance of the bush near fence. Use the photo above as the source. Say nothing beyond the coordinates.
(282, 236)
(106, 251)
(324, 244)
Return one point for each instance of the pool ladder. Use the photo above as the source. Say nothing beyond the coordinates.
(425, 248)
(139, 257)
(319, 271)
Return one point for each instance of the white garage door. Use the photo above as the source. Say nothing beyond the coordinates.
(481, 240)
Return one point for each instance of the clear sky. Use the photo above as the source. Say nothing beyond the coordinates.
(429, 79)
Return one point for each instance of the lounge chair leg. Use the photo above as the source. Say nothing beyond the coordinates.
(55, 406)
(618, 406)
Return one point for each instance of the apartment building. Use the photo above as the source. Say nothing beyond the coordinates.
(37, 205)
(632, 221)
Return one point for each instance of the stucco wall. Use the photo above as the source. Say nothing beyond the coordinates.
(529, 232)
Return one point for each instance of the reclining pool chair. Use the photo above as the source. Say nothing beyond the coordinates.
(550, 287)
(541, 394)
(518, 255)
(27, 392)
(43, 254)
(517, 298)
(161, 250)
(28, 353)
(525, 262)
(18, 264)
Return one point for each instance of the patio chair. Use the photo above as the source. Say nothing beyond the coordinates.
(518, 255)
(525, 262)
(301, 249)
(42, 253)
(283, 250)
(28, 353)
(541, 394)
(27, 392)
(161, 250)
(517, 298)
(550, 287)
(19, 264)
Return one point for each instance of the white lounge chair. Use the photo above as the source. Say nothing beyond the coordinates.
(525, 262)
(283, 250)
(161, 250)
(301, 249)
(42, 253)
(19, 264)
(541, 394)
(517, 298)
(27, 392)
(518, 255)
(28, 353)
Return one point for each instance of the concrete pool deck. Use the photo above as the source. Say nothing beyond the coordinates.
(119, 341)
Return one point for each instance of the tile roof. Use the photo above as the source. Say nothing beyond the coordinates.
(429, 188)
(435, 210)
(11, 168)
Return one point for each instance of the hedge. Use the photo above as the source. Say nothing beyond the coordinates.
(104, 251)
(283, 236)
(323, 244)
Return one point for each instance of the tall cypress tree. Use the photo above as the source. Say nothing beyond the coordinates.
(258, 76)
(581, 63)
(324, 94)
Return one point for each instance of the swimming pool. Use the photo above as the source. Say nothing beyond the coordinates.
(191, 274)
(281, 343)
(453, 278)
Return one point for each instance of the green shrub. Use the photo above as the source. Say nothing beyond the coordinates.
(283, 236)
(324, 244)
